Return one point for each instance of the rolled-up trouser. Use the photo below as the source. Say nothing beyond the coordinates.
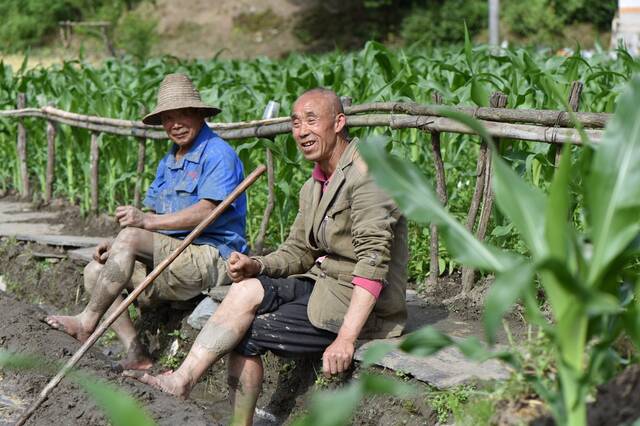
(194, 271)
(281, 324)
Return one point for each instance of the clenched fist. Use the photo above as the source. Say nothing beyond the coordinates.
(102, 252)
(240, 267)
(130, 216)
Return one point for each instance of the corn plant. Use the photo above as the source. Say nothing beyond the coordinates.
(464, 76)
(588, 274)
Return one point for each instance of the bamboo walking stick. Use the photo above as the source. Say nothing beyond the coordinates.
(99, 331)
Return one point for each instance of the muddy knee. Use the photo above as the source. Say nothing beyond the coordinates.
(91, 274)
(127, 239)
(249, 292)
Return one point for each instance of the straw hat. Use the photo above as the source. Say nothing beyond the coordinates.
(177, 91)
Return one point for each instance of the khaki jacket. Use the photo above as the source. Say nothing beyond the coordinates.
(362, 232)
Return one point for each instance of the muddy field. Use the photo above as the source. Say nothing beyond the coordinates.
(56, 287)
(40, 280)
(24, 332)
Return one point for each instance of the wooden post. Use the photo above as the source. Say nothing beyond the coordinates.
(270, 111)
(271, 201)
(51, 161)
(482, 196)
(142, 152)
(94, 157)
(498, 100)
(107, 40)
(21, 148)
(469, 273)
(574, 103)
(441, 190)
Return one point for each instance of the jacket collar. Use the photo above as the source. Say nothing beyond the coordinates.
(195, 151)
(321, 202)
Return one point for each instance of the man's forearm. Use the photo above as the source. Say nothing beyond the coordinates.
(187, 218)
(360, 307)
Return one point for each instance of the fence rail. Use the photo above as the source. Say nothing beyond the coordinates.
(546, 126)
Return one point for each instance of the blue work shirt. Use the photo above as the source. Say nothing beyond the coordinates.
(210, 170)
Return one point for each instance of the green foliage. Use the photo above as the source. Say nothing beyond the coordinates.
(449, 401)
(589, 276)
(26, 22)
(136, 34)
(335, 408)
(535, 19)
(443, 24)
(31, 23)
(542, 21)
(463, 75)
(120, 408)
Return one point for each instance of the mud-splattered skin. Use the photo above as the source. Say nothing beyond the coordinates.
(217, 338)
(112, 280)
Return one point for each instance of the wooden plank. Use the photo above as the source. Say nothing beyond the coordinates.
(51, 161)
(94, 159)
(58, 240)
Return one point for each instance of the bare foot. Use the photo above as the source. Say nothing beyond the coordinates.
(70, 325)
(137, 359)
(168, 382)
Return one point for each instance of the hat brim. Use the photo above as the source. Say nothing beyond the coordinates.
(153, 118)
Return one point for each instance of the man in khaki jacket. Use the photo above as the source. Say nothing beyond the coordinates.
(339, 276)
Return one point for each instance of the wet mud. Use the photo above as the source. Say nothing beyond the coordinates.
(23, 332)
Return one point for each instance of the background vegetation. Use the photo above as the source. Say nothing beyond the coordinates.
(243, 88)
(329, 24)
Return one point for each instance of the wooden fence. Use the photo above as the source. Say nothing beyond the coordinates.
(548, 126)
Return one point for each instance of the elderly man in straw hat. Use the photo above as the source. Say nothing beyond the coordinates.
(198, 172)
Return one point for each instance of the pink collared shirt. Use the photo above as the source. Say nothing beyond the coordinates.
(373, 287)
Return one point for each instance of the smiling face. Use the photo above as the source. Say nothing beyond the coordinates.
(182, 125)
(316, 125)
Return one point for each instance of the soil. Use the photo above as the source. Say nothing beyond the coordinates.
(617, 402)
(42, 280)
(24, 332)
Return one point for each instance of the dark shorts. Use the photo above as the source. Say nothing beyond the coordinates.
(281, 324)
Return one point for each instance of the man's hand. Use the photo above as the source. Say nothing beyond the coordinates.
(130, 216)
(240, 267)
(102, 252)
(337, 357)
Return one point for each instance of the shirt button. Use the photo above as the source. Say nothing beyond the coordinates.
(372, 262)
(322, 275)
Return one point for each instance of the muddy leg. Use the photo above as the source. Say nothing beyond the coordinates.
(245, 385)
(222, 332)
(131, 243)
(137, 357)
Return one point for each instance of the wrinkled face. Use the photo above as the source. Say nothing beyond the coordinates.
(182, 125)
(315, 126)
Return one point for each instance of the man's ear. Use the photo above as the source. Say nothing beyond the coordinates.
(341, 121)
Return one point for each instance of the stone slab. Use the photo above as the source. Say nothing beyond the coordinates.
(84, 254)
(445, 369)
